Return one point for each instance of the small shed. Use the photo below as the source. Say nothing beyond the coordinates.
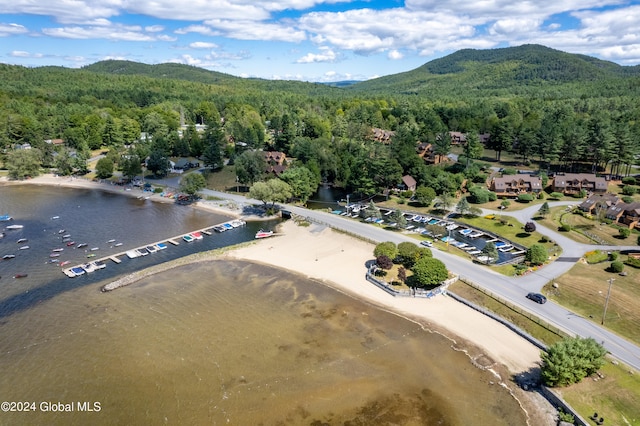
(409, 183)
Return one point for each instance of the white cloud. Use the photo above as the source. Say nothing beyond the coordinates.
(108, 31)
(246, 30)
(202, 45)
(11, 29)
(395, 55)
(506, 27)
(326, 55)
(23, 54)
(154, 28)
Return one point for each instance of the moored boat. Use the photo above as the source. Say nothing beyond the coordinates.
(111, 241)
(5, 218)
(142, 251)
(188, 238)
(132, 254)
(8, 256)
(152, 249)
(56, 250)
(264, 233)
(82, 245)
(117, 244)
(24, 248)
(91, 255)
(70, 243)
(61, 231)
(65, 263)
(161, 246)
(20, 275)
(77, 270)
(54, 255)
(66, 236)
(196, 235)
(15, 226)
(22, 240)
(55, 217)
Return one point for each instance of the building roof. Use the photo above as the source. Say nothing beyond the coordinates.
(535, 182)
(562, 181)
(409, 181)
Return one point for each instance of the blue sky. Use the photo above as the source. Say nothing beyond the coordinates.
(310, 40)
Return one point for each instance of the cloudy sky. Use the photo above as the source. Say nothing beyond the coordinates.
(311, 40)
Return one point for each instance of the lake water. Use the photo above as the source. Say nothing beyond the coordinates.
(221, 342)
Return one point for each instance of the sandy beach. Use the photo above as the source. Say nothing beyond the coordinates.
(339, 261)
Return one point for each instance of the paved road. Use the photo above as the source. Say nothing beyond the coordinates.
(511, 289)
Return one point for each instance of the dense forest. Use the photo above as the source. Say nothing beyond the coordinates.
(556, 110)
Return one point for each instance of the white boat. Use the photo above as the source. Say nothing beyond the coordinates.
(8, 256)
(88, 267)
(55, 217)
(237, 223)
(132, 254)
(22, 240)
(15, 226)
(111, 241)
(152, 249)
(5, 218)
(24, 248)
(81, 245)
(57, 250)
(117, 244)
(95, 248)
(264, 234)
(188, 238)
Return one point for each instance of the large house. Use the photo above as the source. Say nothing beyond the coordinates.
(381, 135)
(426, 151)
(598, 202)
(512, 186)
(625, 213)
(276, 162)
(573, 183)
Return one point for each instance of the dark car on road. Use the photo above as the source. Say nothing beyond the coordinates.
(537, 297)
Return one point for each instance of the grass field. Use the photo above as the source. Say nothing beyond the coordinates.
(586, 230)
(584, 289)
(615, 395)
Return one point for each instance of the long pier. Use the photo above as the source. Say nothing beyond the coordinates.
(89, 265)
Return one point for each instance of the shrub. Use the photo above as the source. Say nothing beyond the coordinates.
(633, 262)
(616, 267)
(627, 199)
(540, 195)
(613, 256)
(565, 227)
(508, 171)
(624, 232)
(479, 195)
(571, 360)
(525, 198)
(493, 196)
(629, 190)
(629, 180)
(505, 203)
(596, 256)
(407, 253)
(529, 227)
(556, 195)
(406, 194)
(384, 262)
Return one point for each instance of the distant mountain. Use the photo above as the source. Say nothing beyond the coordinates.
(166, 71)
(344, 83)
(499, 70)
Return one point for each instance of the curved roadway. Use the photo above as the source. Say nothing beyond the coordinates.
(512, 289)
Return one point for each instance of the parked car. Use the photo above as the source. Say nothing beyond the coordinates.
(426, 243)
(537, 297)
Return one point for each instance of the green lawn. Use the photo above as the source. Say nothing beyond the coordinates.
(586, 230)
(584, 288)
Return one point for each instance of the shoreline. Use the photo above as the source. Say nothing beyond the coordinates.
(336, 260)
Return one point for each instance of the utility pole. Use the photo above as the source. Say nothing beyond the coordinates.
(606, 302)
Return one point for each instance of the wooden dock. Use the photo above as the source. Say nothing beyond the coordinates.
(116, 257)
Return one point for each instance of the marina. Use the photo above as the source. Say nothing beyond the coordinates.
(146, 249)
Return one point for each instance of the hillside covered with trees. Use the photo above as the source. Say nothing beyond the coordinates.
(562, 111)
